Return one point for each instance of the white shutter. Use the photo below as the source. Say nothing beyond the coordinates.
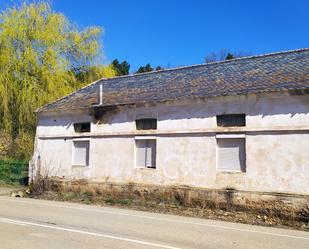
(151, 154)
(148, 154)
(231, 154)
(140, 153)
(81, 153)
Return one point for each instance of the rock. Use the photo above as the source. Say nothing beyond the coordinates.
(305, 226)
(21, 193)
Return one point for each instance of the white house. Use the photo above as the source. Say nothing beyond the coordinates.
(241, 124)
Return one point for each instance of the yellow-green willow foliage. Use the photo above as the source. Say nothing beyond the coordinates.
(43, 56)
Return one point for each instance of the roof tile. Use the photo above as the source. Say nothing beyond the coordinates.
(266, 73)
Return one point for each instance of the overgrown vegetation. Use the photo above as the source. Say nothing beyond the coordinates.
(13, 172)
(43, 56)
(177, 200)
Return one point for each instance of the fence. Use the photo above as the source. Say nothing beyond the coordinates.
(14, 172)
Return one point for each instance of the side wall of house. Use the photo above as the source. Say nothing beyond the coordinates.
(276, 135)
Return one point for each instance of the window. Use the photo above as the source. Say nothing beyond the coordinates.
(231, 152)
(81, 152)
(228, 120)
(146, 124)
(145, 152)
(82, 127)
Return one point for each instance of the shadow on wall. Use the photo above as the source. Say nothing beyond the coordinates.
(259, 104)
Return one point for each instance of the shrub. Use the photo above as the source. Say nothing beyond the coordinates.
(24, 145)
(14, 172)
(6, 144)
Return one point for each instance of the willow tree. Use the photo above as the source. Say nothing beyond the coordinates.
(41, 53)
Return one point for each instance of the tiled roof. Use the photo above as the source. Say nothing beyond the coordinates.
(265, 73)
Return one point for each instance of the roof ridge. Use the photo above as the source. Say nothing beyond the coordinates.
(209, 63)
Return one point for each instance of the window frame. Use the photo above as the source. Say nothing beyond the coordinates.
(73, 151)
(136, 138)
(231, 136)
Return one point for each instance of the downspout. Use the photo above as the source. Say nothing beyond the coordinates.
(101, 94)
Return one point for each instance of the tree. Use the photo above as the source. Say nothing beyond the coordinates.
(224, 54)
(144, 69)
(148, 68)
(121, 68)
(41, 54)
(93, 73)
(229, 56)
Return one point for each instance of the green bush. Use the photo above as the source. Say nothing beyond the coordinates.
(14, 172)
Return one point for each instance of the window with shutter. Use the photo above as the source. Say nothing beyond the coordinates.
(145, 153)
(81, 153)
(231, 154)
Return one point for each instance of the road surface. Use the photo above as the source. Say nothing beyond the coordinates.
(30, 224)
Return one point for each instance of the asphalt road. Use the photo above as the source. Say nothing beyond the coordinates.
(30, 224)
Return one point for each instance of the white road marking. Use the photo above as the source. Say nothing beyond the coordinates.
(18, 222)
(13, 222)
(162, 219)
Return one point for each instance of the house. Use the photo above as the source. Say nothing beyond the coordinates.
(241, 124)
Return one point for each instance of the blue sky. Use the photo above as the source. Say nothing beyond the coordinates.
(177, 32)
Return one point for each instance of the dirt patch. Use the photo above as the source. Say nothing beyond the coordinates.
(267, 209)
(7, 190)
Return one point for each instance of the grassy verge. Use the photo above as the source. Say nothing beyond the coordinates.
(175, 205)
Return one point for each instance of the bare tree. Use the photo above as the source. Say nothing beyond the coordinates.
(225, 54)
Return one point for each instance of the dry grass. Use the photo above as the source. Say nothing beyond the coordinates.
(180, 201)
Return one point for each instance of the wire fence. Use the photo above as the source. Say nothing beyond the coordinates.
(14, 172)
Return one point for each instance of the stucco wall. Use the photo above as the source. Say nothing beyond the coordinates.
(277, 143)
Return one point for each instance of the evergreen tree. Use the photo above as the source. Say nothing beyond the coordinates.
(144, 69)
(121, 68)
(229, 56)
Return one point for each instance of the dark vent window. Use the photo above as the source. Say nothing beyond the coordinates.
(228, 120)
(82, 127)
(146, 124)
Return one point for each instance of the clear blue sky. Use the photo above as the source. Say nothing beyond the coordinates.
(178, 32)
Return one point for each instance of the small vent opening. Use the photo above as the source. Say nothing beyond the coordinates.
(230, 120)
(82, 127)
(146, 124)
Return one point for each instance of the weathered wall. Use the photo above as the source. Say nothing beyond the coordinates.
(277, 144)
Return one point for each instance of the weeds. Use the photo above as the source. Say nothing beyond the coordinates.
(178, 200)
